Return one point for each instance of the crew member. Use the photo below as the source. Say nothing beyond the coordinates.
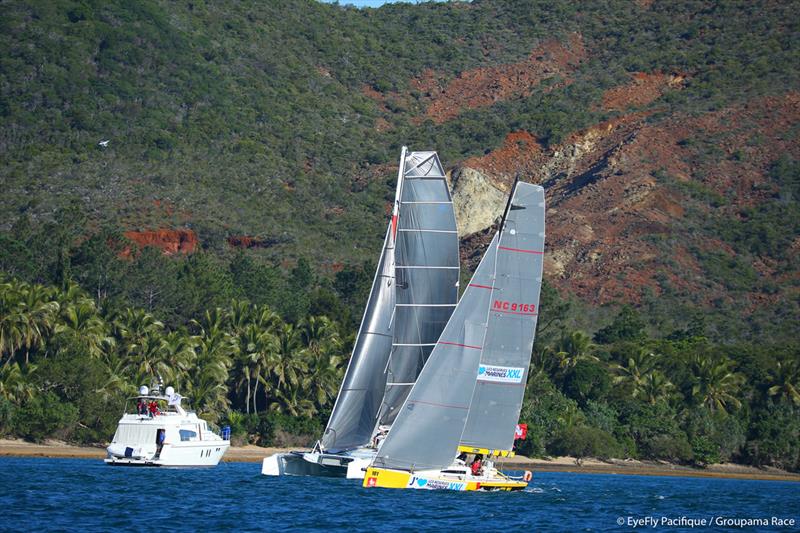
(476, 466)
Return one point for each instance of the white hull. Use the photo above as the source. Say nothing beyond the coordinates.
(188, 454)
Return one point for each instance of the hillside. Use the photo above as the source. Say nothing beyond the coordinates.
(665, 133)
(199, 191)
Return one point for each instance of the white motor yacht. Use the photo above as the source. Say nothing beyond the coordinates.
(161, 433)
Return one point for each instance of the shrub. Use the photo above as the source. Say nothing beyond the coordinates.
(44, 416)
(585, 441)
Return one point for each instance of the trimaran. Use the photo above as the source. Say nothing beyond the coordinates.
(414, 292)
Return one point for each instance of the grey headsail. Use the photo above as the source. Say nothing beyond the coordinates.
(353, 417)
(426, 273)
(493, 315)
(502, 374)
(412, 296)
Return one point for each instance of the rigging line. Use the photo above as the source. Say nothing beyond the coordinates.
(415, 167)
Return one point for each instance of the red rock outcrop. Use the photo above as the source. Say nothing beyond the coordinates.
(613, 207)
(170, 241)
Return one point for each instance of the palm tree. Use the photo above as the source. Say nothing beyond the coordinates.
(324, 348)
(177, 354)
(15, 382)
(206, 380)
(640, 364)
(787, 381)
(27, 316)
(285, 368)
(254, 347)
(133, 325)
(654, 387)
(80, 320)
(715, 384)
(572, 348)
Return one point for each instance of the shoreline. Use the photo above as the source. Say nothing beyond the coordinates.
(254, 454)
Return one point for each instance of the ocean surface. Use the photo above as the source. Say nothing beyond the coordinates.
(38, 494)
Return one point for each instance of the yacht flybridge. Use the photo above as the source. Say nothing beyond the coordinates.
(162, 433)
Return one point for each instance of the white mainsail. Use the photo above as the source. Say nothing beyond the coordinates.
(480, 362)
(413, 295)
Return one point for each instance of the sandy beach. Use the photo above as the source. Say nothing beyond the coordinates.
(254, 454)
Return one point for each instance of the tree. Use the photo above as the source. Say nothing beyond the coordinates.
(715, 384)
(786, 381)
(324, 348)
(80, 320)
(587, 380)
(655, 387)
(286, 366)
(627, 326)
(572, 348)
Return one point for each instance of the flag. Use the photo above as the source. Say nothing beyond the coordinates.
(175, 399)
(521, 431)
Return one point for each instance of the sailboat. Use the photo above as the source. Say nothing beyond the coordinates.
(469, 394)
(413, 294)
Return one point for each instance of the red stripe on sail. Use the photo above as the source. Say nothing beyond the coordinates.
(480, 286)
(536, 252)
(461, 345)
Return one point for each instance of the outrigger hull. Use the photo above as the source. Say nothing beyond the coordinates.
(314, 464)
(435, 480)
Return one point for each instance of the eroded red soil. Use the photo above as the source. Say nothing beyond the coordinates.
(614, 207)
(643, 89)
(170, 241)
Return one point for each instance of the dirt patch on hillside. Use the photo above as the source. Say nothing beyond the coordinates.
(643, 89)
(169, 241)
(442, 98)
(482, 87)
(517, 156)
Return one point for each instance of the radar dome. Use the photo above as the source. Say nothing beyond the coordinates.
(143, 390)
(169, 391)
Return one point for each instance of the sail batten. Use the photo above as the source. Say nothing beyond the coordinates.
(412, 296)
(462, 392)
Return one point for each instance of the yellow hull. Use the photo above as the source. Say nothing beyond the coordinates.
(400, 479)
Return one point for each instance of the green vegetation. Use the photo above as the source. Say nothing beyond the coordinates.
(67, 366)
(251, 118)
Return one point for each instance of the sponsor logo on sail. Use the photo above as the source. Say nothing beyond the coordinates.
(500, 374)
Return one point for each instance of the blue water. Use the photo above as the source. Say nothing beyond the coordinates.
(86, 495)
